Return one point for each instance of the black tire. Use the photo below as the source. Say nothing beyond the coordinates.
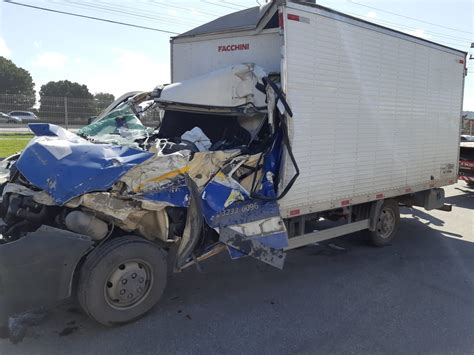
(387, 224)
(115, 265)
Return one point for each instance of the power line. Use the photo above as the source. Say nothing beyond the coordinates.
(458, 39)
(114, 10)
(184, 8)
(404, 29)
(408, 17)
(234, 4)
(89, 17)
(220, 5)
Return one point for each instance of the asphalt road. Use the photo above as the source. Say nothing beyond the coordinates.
(415, 296)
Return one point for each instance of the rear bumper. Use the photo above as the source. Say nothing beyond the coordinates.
(38, 269)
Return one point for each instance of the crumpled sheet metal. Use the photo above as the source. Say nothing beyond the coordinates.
(147, 217)
(161, 170)
(252, 228)
(68, 166)
(229, 87)
(150, 220)
(141, 185)
(248, 227)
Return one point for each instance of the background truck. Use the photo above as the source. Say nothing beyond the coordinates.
(466, 163)
(286, 125)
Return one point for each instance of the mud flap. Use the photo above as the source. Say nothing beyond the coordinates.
(37, 270)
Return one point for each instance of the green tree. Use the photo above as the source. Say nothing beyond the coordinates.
(65, 88)
(16, 87)
(102, 100)
(55, 95)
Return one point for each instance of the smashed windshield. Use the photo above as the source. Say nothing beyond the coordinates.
(121, 126)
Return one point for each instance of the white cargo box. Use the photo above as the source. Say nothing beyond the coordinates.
(376, 111)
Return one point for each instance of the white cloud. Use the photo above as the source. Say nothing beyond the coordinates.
(172, 12)
(37, 44)
(50, 60)
(128, 71)
(372, 14)
(419, 32)
(4, 50)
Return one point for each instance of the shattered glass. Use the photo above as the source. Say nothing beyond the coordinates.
(121, 126)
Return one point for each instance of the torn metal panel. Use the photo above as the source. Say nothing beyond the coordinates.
(176, 194)
(157, 171)
(219, 193)
(242, 212)
(205, 165)
(253, 247)
(129, 215)
(226, 176)
(154, 225)
(194, 224)
(162, 170)
(260, 228)
(37, 270)
(230, 87)
(82, 167)
(40, 197)
(249, 227)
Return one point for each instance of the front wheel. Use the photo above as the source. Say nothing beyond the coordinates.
(122, 280)
(386, 225)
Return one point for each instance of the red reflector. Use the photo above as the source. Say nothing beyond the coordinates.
(280, 20)
(345, 202)
(294, 212)
(461, 61)
(293, 17)
(379, 196)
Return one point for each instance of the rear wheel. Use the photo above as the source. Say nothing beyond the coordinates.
(122, 280)
(386, 225)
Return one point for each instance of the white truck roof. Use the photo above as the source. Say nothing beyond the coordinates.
(249, 19)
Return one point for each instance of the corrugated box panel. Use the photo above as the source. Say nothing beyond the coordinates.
(372, 112)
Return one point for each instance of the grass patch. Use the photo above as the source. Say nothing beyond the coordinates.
(12, 143)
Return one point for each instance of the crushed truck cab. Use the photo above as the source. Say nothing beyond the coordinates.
(205, 178)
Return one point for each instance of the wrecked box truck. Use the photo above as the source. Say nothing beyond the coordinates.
(285, 125)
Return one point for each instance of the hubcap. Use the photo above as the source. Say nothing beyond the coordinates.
(128, 284)
(386, 223)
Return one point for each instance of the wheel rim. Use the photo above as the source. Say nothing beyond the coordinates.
(386, 223)
(128, 284)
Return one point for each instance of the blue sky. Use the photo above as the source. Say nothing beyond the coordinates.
(117, 59)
